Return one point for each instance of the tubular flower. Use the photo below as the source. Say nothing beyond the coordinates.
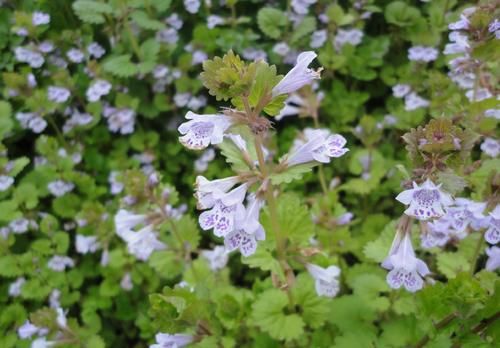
(299, 76)
(203, 130)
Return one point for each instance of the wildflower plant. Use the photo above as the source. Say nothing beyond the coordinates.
(301, 173)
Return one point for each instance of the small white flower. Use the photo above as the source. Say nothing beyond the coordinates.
(254, 54)
(318, 38)
(120, 120)
(19, 226)
(175, 21)
(60, 187)
(248, 230)
(347, 36)
(217, 258)
(426, 201)
(126, 282)
(54, 298)
(228, 207)
(116, 186)
(326, 279)
(61, 318)
(400, 90)
(75, 55)
(492, 234)
(478, 94)
(42, 342)
(60, 263)
(126, 221)
(58, 94)
(414, 101)
(422, 54)
(86, 244)
(214, 20)
(46, 46)
(207, 191)
(40, 18)
(405, 269)
(160, 71)
(98, 89)
(6, 182)
(491, 147)
(168, 36)
(172, 341)
(203, 130)
(95, 50)
(15, 287)
(493, 262)
(281, 49)
(299, 76)
(142, 243)
(302, 6)
(321, 145)
(493, 113)
(192, 6)
(27, 330)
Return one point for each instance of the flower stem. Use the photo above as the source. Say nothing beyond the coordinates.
(440, 325)
(273, 213)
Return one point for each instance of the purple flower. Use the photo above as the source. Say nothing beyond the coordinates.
(326, 279)
(228, 207)
(164, 340)
(493, 261)
(40, 18)
(426, 201)
(492, 234)
(321, 145)
(405, 269)
(299, 76)
(58, 94)
(203, 130)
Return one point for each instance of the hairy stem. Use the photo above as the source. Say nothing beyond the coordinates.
(475, 256)
(440, 325)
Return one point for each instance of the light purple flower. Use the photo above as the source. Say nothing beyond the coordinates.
(492, 234)
(493, 262)
(126, 282)
(40, 18)
(97, 89)
(142, 243)
(217, 258)
(192, 6)
(248, 230)
(27, 330)
(422, 54)
(203, 130)
(58, 94)
(414, 101)
(5, 182)
(326, 279)
(207, 191)
(405, 269)
(228, 207)
(95, 50)
(86, 244)
(214, 20)
(491, 147)
(400, 90)
(426, 201)
(318, 38)
(60, 187)
(164, 340)
(347, 36)
(15, 287)
(299, 76)
(75, 55)
(59, 263)
(320, 146)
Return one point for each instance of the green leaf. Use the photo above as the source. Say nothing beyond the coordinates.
(401, 14)
(378, 249)
(9, 267)
(91, 11)
(6, 123)
(292, 173)
(18, 165)
(294, 220)
(142, 19)
(66, 206)
(166, 264)
(120, 66)
(8, 211)
(265, 261)
(26, 194)
(306, 27)
(271, 21)
(149, 50)
(314, 308)
(268, 314)
(450, 264)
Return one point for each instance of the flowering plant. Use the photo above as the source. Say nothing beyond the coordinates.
(245, 173)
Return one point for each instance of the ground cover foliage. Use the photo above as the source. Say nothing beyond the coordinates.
(303, 173)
